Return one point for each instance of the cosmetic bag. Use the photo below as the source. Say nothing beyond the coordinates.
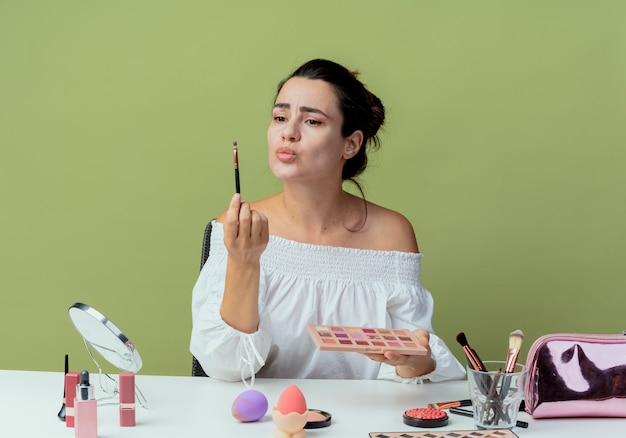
(576, 375)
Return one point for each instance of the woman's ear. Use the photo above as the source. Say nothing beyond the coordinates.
(352, 144)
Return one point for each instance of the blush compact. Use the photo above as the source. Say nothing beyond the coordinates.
(317, 419)
(425, 417)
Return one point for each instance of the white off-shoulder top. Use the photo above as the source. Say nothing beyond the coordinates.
(301, 284)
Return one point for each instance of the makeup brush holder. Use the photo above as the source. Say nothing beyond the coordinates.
(496, 395)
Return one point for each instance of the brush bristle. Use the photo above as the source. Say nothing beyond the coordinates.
(461, 339)
(515, 339)
(234, 144)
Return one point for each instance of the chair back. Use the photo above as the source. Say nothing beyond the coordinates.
(196, 368)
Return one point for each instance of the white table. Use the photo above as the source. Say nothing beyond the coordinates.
(186, 407)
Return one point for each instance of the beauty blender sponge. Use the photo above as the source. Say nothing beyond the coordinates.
(250, 405)
(291, 400)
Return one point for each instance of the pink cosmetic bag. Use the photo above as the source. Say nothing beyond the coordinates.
(576, 375)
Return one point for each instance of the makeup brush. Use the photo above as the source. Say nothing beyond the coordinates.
(61, 413)
(483, 381)
(450, 404)
(472, 358)
(515, 343)
(236, 157)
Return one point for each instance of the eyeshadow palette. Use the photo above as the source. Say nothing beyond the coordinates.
(364, 339)
(500, 433)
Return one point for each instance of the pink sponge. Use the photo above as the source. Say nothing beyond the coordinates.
(291, 400)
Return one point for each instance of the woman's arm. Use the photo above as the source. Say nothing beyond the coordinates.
(246, 235)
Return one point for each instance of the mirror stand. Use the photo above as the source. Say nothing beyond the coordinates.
(105, 385)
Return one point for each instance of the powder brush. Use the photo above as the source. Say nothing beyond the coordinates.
(472, 357)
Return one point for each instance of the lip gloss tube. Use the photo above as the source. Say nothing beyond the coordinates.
(86, 409)
(71, 380)
(127, 399)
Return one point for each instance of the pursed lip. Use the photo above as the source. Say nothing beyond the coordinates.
(285, 154)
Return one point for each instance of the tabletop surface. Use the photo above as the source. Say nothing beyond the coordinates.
(201, 407)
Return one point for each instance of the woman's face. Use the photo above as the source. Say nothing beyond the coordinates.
(304, 136)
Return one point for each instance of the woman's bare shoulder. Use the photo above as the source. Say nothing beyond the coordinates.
(390, 230)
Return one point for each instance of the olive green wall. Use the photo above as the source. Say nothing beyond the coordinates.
(505, 147)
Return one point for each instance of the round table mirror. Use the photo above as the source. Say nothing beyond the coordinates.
(105, 337)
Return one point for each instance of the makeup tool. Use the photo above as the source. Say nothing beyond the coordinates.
(515, 344)
(474, 362)
(494, 385)
(127, 399)
(492, 395)
(72, 378)
(86, 409)
(365, 339)
(467, 413)
(496, 433)
(425, 417)
(290, 414)
(61, 413)
(250, 405)
(472, 357)
(236, 157)
(450, 404)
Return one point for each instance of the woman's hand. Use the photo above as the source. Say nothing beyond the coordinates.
(409, 366)
(246, 232)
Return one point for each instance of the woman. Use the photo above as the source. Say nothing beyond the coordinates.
(314, 253)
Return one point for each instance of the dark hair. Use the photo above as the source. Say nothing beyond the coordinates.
(361, 109)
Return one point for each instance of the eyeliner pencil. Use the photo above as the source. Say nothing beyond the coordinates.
(236, 158)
